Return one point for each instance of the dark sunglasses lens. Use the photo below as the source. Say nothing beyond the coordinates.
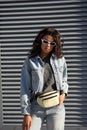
(45, 41)
(53, 43)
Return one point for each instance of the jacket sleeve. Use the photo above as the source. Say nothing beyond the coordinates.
(64, 78)
(25, 90)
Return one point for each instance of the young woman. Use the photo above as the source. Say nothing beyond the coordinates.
(44, 70)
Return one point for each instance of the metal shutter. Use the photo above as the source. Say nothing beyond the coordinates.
(20, 21)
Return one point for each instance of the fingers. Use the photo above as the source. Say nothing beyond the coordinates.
(26, 126)
(23, 127)
(26, 123)
(30, 124)
(61, 99)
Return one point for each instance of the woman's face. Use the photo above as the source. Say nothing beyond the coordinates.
(47, 45)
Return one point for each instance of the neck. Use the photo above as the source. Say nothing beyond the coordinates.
(43, 55)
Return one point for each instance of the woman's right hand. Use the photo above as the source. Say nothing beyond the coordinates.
(26, 122)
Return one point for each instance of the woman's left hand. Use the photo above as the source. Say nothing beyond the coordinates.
(61, 98)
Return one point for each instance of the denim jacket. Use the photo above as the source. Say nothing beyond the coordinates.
(32, 78)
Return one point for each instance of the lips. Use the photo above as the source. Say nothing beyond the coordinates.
(47, 49)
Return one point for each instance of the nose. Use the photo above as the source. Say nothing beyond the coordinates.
(48, 44)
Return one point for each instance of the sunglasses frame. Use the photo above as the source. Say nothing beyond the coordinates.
(47, 42)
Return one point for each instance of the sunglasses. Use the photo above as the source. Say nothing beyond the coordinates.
(47, 42)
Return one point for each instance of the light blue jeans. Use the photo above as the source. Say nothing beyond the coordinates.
(55, 117)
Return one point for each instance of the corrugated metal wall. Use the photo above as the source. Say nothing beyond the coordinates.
(20, 21)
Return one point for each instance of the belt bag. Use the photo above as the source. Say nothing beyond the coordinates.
(48, 99)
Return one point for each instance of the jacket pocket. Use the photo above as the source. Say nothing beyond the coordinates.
(36, 78)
